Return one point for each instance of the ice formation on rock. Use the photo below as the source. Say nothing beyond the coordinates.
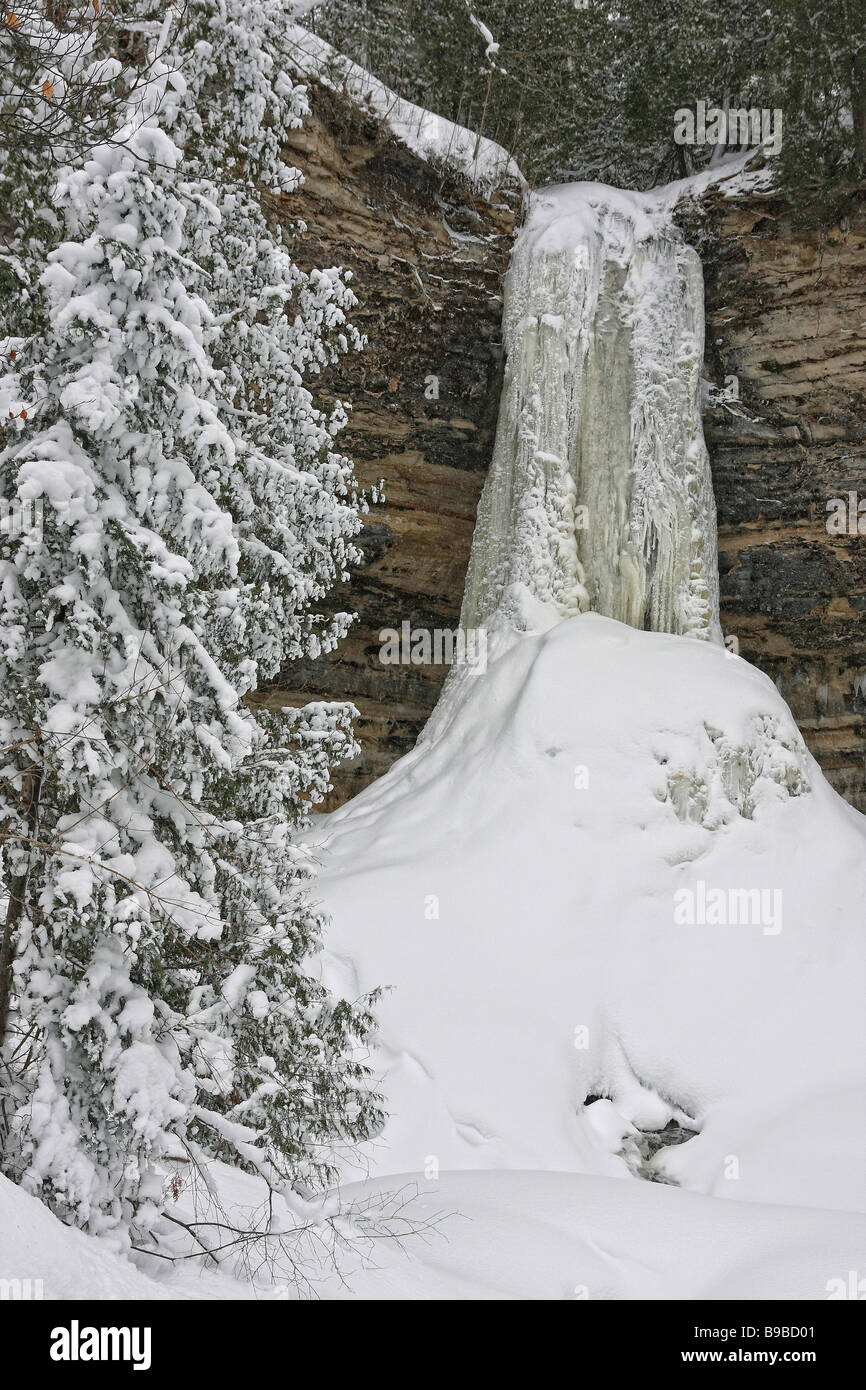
(599, 495)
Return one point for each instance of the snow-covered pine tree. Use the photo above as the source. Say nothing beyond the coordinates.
(163, 1001)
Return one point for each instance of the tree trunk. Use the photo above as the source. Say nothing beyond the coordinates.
(17, 888)
(858, 108)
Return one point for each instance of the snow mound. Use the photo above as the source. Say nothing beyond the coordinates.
(557, 1236)
(611, 869)
(484, 164)
(43, 1258)
(491, 1235)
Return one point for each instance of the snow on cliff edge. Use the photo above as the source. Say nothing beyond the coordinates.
(483, 163)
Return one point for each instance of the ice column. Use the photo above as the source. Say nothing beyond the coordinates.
(599, 494)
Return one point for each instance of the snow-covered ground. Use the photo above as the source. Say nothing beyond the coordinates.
(519, 880)
(62, 1263)
(515, 879)
(494, 1235)
(537, 1235)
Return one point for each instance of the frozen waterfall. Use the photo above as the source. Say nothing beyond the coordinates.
(599, 494)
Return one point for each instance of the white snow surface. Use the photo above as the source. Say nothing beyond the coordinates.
(496, 1235)
(553, 812)
(483, 163)
(557, 908)
(537, 1235)
(35, 1246)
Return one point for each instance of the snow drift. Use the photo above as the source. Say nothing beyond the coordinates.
(521, 879)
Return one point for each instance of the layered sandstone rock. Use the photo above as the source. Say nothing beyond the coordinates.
(786, 316)
(428, 256)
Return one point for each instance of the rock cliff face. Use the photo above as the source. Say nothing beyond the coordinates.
(428, 258)
(786, 316)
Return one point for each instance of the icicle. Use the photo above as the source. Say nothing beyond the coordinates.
(599, 495)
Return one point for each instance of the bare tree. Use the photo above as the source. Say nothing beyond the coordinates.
(68, 69)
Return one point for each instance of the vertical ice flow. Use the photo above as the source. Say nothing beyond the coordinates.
(599, 495)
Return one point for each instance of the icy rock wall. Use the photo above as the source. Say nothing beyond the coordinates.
(599, 495)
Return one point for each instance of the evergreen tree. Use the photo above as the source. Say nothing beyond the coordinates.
(816, 56)
(159, 931)
(590, 90)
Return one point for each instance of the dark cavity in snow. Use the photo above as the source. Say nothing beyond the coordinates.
(640, 1146)
(650, 1141)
